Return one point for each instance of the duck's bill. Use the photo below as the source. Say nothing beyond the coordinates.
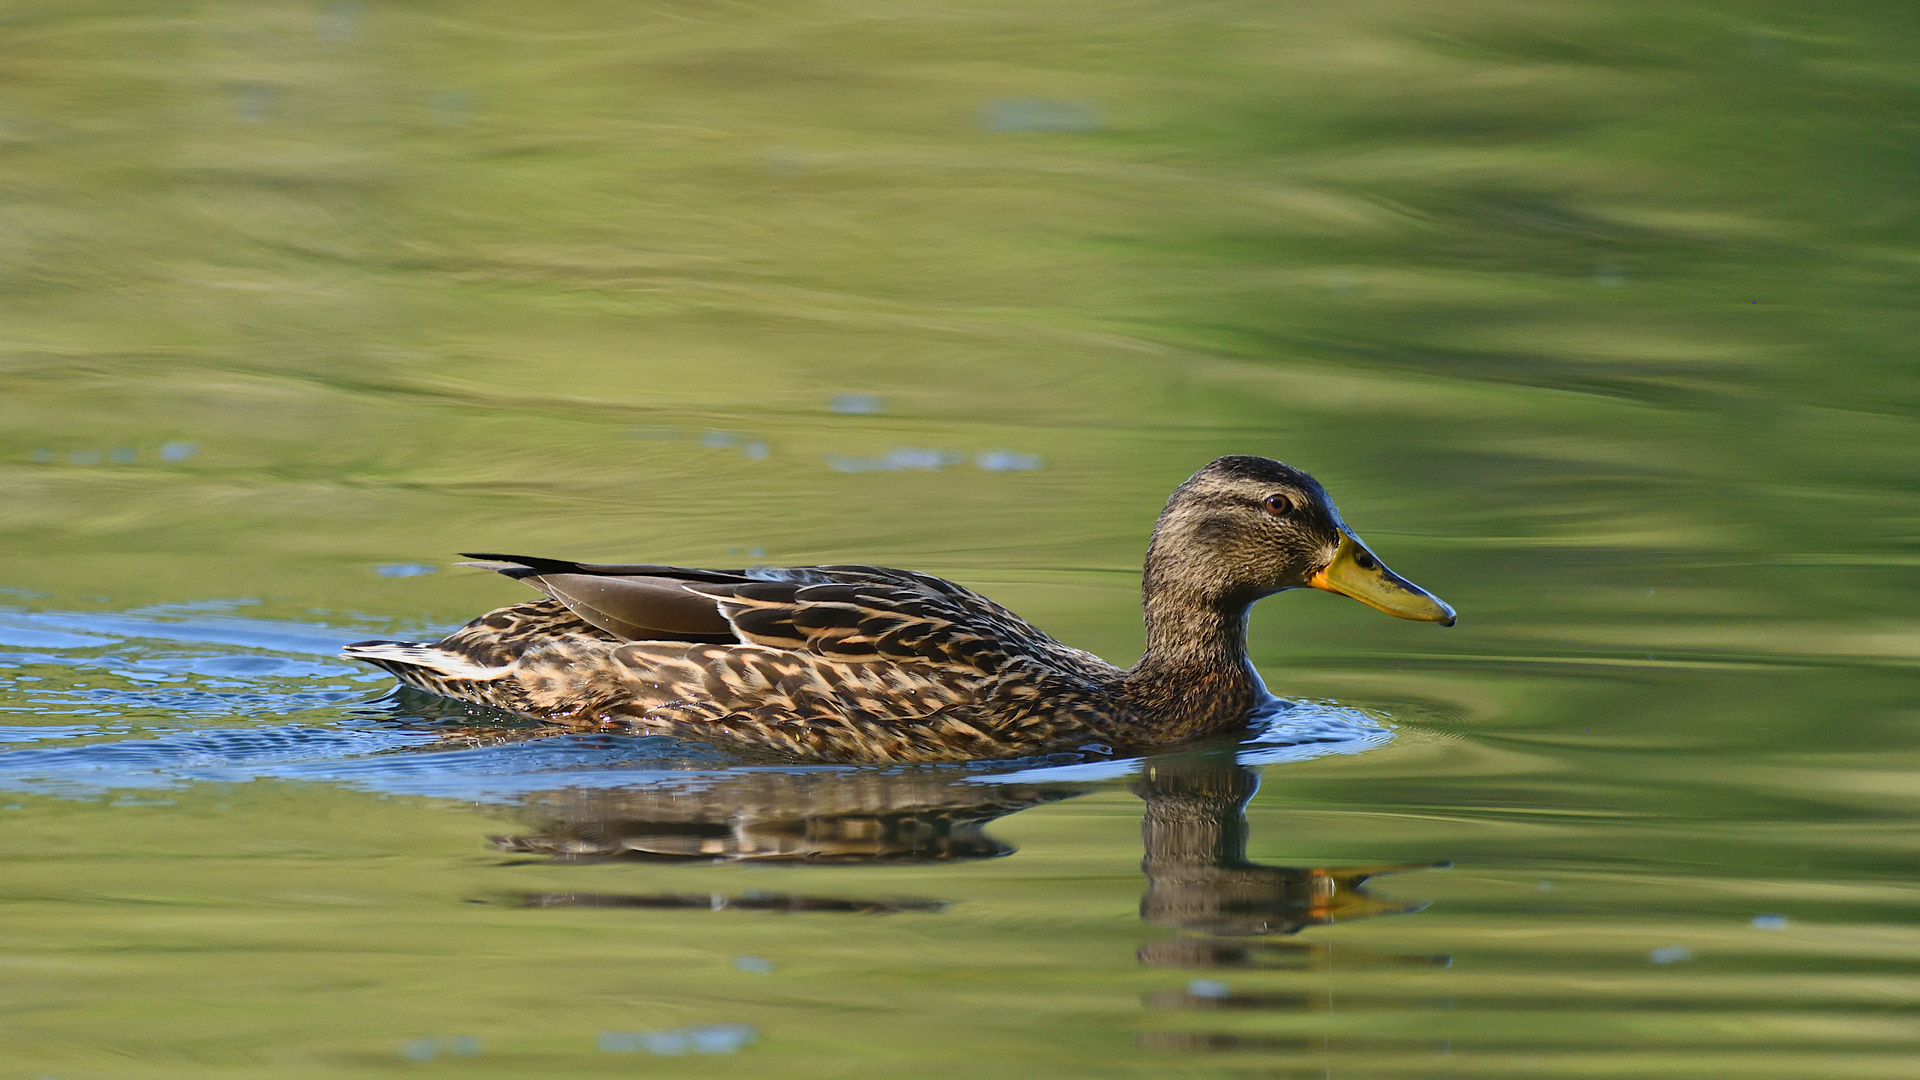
(1355, 572)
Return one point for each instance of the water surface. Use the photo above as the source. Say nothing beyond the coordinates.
(1596, 320)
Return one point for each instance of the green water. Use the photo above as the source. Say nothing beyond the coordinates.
(1596, 319)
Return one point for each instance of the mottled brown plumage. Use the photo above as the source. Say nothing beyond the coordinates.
(865, 663)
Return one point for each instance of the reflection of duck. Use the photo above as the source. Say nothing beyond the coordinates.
(1198, 876)
(1194, 837)
(820, 817)
(1200, 882)
(867, 663)
(765, 816)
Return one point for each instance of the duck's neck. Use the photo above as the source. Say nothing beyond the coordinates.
(1195, 676)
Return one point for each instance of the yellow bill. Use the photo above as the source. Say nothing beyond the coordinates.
(1355, 572)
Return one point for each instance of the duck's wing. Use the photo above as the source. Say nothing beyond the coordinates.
(635, 602)
(840, 613)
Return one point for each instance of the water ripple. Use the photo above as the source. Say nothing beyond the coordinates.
(166, 671)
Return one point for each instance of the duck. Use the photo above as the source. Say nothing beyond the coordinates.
(868, 664)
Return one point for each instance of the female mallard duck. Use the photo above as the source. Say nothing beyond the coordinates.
(863, 663)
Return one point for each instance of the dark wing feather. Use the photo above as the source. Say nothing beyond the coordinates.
(840, 613)
(641, 602)
(638, 608)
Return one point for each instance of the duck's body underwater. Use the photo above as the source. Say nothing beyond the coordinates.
(864, 663)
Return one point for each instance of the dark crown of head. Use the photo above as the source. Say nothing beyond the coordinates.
(1257, 469)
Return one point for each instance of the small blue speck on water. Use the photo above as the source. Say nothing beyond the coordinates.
(753, 965)
(429, 1047)
(252, 103)
(450, 107)
(756, 553)
(1769, 922)
(1209, 988)
(1670, 954)
(339, 22)
(177, 452)
(895, 460)
(719, 440)
(1006, 461)
(403, 569)
(857, 404)
(755, 451)
(42, 455)
(704, 1039)
(1011, 115)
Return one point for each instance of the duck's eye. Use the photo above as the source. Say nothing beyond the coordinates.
(1278, 505)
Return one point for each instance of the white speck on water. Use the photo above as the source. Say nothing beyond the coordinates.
(719, 440)
(753, 965)
(1543, 886)
(756, 450)
(1670, 954)
(1768, 922)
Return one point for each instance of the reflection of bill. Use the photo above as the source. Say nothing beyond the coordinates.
(1199, 882)
(1198, 876)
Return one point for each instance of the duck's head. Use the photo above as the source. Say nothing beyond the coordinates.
(1246, 527)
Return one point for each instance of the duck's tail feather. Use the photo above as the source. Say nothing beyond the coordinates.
(431, 667)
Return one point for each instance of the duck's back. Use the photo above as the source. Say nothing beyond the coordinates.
(845, 662)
